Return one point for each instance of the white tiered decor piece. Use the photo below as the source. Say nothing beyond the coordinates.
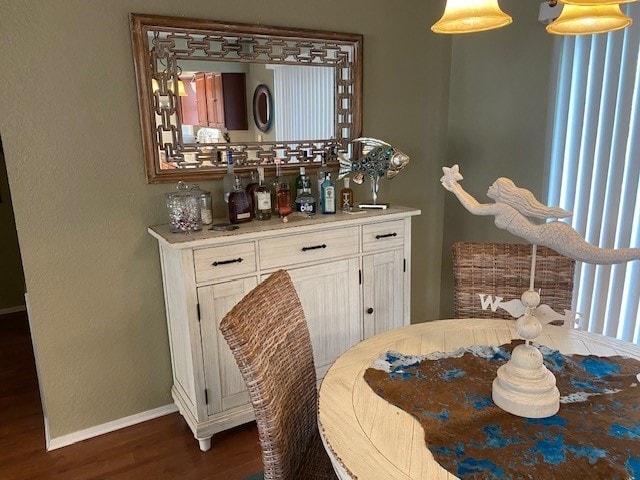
(524, 386)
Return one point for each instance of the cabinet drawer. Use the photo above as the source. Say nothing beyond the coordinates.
(217, 262)
(382, 236)
(308, 247)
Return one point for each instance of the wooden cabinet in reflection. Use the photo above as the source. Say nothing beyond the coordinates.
(221, 100)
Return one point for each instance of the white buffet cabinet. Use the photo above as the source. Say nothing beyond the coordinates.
(351, 272)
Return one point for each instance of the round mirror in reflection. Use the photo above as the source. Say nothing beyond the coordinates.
(262, 108)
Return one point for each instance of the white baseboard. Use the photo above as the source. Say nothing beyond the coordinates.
(8, 310)
(70, 438)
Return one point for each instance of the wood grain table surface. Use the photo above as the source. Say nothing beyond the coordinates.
(370, 439)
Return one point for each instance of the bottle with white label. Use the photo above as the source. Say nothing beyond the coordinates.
(305, 203)
(263, 198)
(328, 199)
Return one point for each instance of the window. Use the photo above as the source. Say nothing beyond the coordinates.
(595, 167)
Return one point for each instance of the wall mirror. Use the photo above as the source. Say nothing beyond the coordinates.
(196, 81)
(263, 108)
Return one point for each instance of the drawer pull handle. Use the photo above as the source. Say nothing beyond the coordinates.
(370, 310)
(316, 247)
(227, 262)
(386, 235)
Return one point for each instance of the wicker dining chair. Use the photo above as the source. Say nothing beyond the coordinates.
(268, 335)
(504, 269)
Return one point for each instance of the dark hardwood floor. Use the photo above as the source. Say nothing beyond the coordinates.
(163, 448)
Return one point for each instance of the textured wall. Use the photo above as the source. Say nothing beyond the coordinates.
(11, 277)
(74, 159)
(497, 122)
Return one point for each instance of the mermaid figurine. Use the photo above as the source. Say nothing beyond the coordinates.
(513, 209)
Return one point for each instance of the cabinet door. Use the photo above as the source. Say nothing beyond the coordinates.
(383, 291)
(216, 97)
(330, 297)
(234, 94)
(225, 386)
(201, 100)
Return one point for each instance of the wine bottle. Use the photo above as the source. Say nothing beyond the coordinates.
(263, 198)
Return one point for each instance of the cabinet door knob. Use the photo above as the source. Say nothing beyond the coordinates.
(370, 310)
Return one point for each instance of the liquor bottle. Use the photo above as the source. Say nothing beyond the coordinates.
(303, 185)
(346, 197)
(322, 172)
(283, 199)
(228, 181)
(300, 182)
(305, 203)
(328, 198)
(251, 191)
(239, 204)
(275, 187)
(263, 198)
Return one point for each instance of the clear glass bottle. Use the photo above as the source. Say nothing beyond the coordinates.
(228, 181)
(263, 198)
(239, 204)
(283, 199)
(251, 191)
(275, 187)
(204, 199)
(328, 199)
(322, 172)
(346, 197)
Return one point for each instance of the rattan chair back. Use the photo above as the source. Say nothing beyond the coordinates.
(270, 341)
(504, 269)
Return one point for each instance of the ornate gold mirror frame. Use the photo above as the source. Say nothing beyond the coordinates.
(161, 43)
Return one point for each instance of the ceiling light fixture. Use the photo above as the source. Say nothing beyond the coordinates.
(467, 16)
(592, 3)
(585, 20)
(578, 17)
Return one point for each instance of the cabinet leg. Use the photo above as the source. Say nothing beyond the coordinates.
(205, 443)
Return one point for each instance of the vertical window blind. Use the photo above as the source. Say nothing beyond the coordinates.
(304, 102)
(594, 167)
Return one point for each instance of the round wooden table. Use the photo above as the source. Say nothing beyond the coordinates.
(369, 439)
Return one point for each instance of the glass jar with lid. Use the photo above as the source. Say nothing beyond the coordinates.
(183, 206)
(204, 199)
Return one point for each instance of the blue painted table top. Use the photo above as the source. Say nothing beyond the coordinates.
(595, 435)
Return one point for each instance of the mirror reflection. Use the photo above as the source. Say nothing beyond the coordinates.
(200, 107)
(220, 98)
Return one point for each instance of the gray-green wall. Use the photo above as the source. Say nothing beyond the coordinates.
(498, 107)
(74, 157)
